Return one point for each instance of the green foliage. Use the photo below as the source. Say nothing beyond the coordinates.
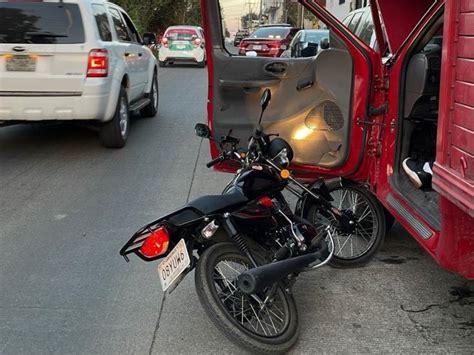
(156, 15)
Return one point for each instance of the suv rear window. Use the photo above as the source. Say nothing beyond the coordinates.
(41, 23)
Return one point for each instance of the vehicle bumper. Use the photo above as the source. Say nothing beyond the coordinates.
(95, 102)
(196, 55)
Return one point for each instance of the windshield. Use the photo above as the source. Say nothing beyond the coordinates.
(271, 33)
(316, 36)
(40, 23)
(181, 34)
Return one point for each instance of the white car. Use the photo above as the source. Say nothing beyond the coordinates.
(74, 60)
(183, 44)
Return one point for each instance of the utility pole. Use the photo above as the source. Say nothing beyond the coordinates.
(249, 16)
(249, 24)
(302, 16)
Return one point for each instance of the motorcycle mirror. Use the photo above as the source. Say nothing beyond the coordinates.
(202, 130)
(264, 101)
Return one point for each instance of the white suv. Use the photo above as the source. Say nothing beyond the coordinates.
(74, 60)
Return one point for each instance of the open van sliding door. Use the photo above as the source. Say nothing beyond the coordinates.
(319, 103)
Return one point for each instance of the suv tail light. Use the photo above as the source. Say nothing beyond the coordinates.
(164, 42)
(156, 243)
(197, 42)
(98, 63)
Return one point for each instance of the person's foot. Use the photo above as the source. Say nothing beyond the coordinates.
(418, 171)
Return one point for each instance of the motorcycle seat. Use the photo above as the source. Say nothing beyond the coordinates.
(218, 203)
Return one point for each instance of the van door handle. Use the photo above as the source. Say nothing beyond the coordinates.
(140, 54)
(276, 67)
(303, 85)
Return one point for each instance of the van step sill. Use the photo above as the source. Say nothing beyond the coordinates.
(422, 230)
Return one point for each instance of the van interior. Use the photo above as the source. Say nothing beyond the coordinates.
(418, 129)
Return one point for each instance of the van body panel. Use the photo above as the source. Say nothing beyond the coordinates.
(454, 167)
(398, 19)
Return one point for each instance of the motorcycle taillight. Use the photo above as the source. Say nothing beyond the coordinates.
(156, 243)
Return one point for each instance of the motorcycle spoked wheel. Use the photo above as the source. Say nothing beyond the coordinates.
(356, 249)
(272, 329)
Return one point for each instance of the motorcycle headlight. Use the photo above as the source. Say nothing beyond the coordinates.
(282, 159)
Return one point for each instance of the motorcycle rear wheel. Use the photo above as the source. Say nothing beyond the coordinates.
(271, 330)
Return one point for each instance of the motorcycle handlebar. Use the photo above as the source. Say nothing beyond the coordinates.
(213, 162)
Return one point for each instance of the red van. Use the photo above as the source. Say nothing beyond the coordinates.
(358, 115)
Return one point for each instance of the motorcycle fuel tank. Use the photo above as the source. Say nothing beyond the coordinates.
(258, 180)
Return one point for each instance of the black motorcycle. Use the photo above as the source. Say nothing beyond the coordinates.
(246, 245)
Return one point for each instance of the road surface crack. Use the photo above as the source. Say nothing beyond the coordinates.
(194, 171)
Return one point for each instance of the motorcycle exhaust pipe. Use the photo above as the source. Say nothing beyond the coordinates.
(257, 279)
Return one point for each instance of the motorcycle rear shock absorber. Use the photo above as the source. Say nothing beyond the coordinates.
(238, 238)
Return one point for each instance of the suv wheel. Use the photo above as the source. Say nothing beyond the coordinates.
(151, 109)
(114, 133)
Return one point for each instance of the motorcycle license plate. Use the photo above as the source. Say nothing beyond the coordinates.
(174, 265)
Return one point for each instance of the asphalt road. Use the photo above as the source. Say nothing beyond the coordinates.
(67, 205)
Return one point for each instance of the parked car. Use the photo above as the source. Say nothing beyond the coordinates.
(183, 44)
(80, 60)
(306, 43)
(360, 23)
(239, 36)
(268, 40)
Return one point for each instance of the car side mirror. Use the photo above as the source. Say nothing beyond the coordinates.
(324, 43)
(202, 130)
(148, 39)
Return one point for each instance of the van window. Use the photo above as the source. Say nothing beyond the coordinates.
(120, 27)
(102, 21)
(40, 22)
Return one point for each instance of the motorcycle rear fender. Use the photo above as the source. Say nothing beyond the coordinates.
(174, 222)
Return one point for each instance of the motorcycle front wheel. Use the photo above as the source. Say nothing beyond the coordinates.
(256, 323)
(358, 248)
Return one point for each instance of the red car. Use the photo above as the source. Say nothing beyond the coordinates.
(268, 41)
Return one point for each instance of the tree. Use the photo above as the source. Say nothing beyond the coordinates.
(157, 15)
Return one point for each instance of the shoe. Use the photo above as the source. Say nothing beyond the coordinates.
(419, 172)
